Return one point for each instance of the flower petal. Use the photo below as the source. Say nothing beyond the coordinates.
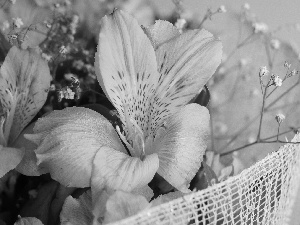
(185, 64)
(9, 159)
(121, 205)
(116, 170)
(68, 141)
(159, 33)
(77, 211)
(126, 66)
(28, 165)
(24, 84)
(28, 221)
(181, 146)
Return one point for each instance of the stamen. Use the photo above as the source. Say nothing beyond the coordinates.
(130, 149)
(2, 138)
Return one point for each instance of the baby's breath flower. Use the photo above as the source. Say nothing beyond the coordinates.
(17, 22)
(69, 94)
(222, 9)
(74, 24)
(246, 6)
(5, 25)
(260, 27)
(287, 65)
(277, 81)
(275, 44)
(279, 118)
(263, 71)
(63, 50)
(180, 23)
(46, 57)
(294, 72)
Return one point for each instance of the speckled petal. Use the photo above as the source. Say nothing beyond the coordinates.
(24, 84)
(181, 145)
(9, 159)
(68, 141)
(116, 170)
(161, 32)
(126, 66)
(185, 64)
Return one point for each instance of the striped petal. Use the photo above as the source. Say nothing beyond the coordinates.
(68, 142)
(24, 83)
(126, 67)
(116, 170)
(185, 64)
(181, 145)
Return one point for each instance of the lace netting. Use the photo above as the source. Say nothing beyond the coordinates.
(261, 194)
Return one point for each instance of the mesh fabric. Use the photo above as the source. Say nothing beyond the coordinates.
(261, 194)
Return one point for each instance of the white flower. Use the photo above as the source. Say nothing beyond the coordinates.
(13, 2)
(263, 71)
(275, 44)
(149, 76)
(260, 27)
(69, 94)
(18, 22)
(74, 24)
(46, 57)
(63, 50)
(279, 118)
(277, 81)
(246, 6)
(222, 9)
(180, 23)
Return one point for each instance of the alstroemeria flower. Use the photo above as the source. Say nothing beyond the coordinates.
(149, 78)
(24, 82)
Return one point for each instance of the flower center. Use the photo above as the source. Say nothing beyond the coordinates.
(135, 138)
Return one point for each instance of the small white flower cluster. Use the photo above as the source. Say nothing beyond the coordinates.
(66, 93)
(263, 71)
(17, 22)
(246, 6)
(63, 50)
(74, 24)
(46, 57)
(260, 27)
(222, 9)
(276, 80)
(180, 23)
(279, 118)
